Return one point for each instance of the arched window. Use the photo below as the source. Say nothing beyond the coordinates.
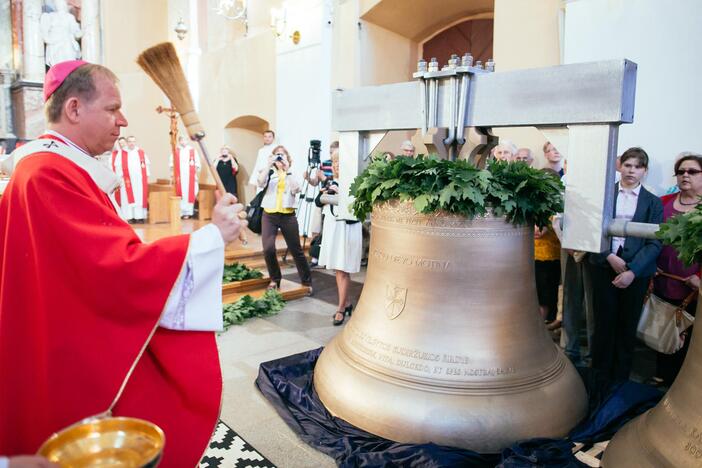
(474, 36)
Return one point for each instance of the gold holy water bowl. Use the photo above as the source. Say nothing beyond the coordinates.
(114, 442)
(446, 344)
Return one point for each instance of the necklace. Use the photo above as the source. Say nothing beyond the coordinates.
(686, 204)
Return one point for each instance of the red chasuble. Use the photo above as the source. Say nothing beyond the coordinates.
(79, 296)
(191, 174)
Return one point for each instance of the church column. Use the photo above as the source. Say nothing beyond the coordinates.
(91, 43)
(6, 72)
(27, 100)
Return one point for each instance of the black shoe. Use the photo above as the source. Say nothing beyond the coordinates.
(337, 321)
(349, 310)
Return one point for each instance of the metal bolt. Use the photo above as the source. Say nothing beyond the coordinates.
(422, 65)
(467, 60)
(478, 64)
(490, 65)
(453, 61)
(433, 65)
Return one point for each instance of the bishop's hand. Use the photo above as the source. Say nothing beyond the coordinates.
(227, 216)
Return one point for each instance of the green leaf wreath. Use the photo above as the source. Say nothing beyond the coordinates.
(522, 194)
(684, 233)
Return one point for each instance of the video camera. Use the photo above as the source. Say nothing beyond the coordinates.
(313, 154)
(328, 183)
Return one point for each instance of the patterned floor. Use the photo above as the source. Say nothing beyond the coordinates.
(228, 450)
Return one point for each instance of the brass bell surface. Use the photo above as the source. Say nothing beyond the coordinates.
(670, 434)
(446, 344)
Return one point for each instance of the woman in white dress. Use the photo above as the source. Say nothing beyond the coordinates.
(341, 245)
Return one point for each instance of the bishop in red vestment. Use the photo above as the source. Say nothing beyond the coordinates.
(81, 295)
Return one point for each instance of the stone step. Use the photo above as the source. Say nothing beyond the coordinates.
(255, 259)
(288, 289)
(245, 285)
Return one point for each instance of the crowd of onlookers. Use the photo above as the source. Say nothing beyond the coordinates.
(603, 294)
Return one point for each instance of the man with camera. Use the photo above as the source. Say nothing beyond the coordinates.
(261, 160)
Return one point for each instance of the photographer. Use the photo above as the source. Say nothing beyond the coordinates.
(314, 213)
(279, 213)
(341, 243)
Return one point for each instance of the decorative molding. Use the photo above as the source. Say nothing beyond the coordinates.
(403, 216)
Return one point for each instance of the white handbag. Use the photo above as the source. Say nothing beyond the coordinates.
(661, 324)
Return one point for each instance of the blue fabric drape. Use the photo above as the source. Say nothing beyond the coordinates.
(287, 384)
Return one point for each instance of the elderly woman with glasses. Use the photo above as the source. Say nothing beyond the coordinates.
(675, 281)
(278, 204)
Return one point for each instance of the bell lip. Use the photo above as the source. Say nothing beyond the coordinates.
(483, 440)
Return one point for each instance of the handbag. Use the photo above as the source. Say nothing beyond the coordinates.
(254, 211)
(662, 325)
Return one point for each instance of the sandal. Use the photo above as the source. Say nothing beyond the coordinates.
(273, 285)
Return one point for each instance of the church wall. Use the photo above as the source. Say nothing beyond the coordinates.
(663, 40)
(245, 144)
(526, 35)
(303, 81)
(346, 46)
(236, 80)
(386, 57)
(236, 74)
(130, 26)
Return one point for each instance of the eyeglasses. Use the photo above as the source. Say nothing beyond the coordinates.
(692, 172)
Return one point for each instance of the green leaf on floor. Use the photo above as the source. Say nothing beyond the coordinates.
(247, 307)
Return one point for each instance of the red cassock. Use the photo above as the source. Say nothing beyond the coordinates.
(79, 296)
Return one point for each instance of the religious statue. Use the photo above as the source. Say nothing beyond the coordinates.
(60, 31)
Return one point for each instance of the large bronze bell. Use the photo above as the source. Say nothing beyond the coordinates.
(670, 434)
(446, 344)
